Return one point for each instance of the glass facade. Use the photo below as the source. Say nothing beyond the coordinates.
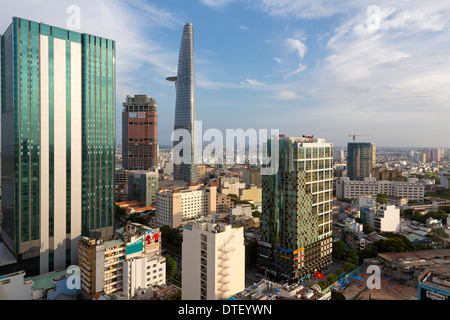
(50, 78)
(185, 113)
(98, 96)
(296, 219)
(361, 159)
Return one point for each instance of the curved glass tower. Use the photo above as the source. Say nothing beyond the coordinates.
(185, 105)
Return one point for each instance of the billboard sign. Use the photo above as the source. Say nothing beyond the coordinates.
(135, 247)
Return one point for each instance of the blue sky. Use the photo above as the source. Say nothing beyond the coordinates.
(316, 67)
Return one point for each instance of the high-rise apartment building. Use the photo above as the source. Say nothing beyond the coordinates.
(296, 221)
(58, 141)
(213, 261)
(185, 108)
(361, 159)
(139, 133)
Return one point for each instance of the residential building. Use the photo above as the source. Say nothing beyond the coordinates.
(387, 219)
(433, 154)
(410, 190)
(223, 203)
(185, 164)
(338, 155)
(139, 133)
(176, 206)
(252, 194)
(296, 221)
(213, 261)
(124, 265)
(445, 179)
(58, 142)
(142, 186)
(361, 159)
(232, 188)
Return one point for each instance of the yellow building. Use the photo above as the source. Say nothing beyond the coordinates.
(253, 194)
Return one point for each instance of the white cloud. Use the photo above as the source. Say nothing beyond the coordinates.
(300, 48)
(216, 3)
(243, 28)
(278, 60)
(287, 95)
(254, 82)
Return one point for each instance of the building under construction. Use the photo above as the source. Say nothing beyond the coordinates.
(139, 133)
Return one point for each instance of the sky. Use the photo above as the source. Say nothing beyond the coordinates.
(305, 67)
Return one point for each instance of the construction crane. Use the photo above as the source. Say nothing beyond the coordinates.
(357, 135)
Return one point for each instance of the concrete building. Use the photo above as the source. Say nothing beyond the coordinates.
(445, 179)
(410, 190)
(139, 133)
(338, 155)
(223, 203)
(266, 290)
(58, 142)
(296, 220)
(252, 194)
(14, 287)
(124, 265)
(142, 186)
(434, 283)
(387, 219)
(252, 176)
(175, 206)
(213, 261)
(232, 188)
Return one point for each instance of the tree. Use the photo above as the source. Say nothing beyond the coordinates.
(256, 214)
(348, 267)
(382, 198)
(336, 295)
(339, 249)
(332, 278)
(171, 266)
(120, 212)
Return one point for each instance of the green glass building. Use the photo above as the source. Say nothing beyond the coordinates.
(361, 160)
(296, 220)
(58, 141)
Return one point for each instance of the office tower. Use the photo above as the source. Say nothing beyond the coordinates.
(58, 141)
(361, 159)
(213, 261)
(185, 114)
(296, 221)
(139, 133)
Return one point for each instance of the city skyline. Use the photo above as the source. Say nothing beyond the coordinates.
(352, 68)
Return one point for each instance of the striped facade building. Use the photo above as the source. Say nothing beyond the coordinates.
(58, 141)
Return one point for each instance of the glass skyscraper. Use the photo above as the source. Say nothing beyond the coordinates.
(361, 160)
(296, 221)
(185, 114)
(58, 140)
